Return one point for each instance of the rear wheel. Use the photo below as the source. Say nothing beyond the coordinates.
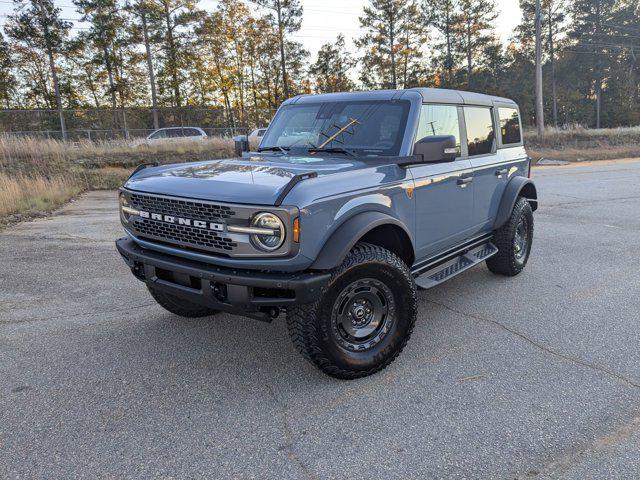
(179, 306)
(514, 241)
(363, 320)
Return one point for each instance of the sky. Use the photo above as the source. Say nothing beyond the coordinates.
(323, 19)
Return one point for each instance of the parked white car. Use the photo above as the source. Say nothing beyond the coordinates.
(255, 137)
(176, 134)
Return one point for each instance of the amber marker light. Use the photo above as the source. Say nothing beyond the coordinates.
(296, 230)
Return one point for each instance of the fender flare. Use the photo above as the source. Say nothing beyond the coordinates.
(517, 187)
(344, 238)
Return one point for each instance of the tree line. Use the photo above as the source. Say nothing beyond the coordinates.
(244, 56)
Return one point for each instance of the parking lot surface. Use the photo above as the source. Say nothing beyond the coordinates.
(536, 376)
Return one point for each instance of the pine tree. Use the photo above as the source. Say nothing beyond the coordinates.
(144, 17)
(106, 22)
(596, 43)
(442, 15)
(87, 74)
(172, 33)
(37, 25)
(474, 29)
(330, 72)
(392, 44)
(287, 18)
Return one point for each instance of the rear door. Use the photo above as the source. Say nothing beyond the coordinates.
(443, 191)
(482, 147)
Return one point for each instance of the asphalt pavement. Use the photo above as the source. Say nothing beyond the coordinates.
(536, 376)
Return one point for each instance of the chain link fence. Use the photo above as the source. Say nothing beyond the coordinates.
(99, 125)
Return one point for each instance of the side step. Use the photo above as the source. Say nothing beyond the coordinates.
(449, 269)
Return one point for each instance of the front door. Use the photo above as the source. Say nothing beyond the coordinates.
(443, 191)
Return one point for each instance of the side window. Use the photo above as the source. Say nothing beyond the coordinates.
(439, 120)
(480, 132)
(510, 126)
(158, 134)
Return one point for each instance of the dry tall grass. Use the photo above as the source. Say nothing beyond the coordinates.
(19, 155)
(28, 195)
(38, 176)
(580, 144)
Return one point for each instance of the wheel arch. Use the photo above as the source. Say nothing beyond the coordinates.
(376, 228)
(517, 187)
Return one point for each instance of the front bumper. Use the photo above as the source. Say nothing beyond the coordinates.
(244, 292)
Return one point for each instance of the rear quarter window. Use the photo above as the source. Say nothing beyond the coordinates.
(510, 126)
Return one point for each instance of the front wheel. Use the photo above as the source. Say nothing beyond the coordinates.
(363, 320)
(514, 241)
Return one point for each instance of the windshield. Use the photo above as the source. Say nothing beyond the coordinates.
(365, 128)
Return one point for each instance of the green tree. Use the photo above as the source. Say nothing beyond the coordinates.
(7, 77)
(287, 17)
(86, 72)
(106, 22)
(596, 43)
(442, 15)
(143, 19)
(474, 29)
(330, 72)
(214, 35)
(392, 44)
(172, 28)
(37, 25)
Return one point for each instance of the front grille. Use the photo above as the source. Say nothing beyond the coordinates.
(181, 208)
(182, 235)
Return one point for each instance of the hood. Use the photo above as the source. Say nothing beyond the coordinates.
(256, 180)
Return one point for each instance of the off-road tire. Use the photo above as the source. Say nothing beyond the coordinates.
(506, 261)
(312, 326)
(179, 306)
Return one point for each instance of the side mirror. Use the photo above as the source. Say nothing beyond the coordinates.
(438, 148)
(241, 144)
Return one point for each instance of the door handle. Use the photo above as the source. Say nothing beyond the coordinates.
(464, 181)
(501, 172)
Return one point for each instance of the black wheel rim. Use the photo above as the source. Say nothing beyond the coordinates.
(521, 239)
(362, 314)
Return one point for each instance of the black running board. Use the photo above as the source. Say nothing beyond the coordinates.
(450, 268)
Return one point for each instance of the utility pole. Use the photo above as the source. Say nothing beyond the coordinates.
(539, 101)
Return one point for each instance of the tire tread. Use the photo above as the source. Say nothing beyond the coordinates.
(301, 319)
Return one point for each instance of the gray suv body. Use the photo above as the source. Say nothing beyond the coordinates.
(352, 201)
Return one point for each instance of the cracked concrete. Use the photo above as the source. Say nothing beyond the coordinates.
(543, 348)
(528, 377)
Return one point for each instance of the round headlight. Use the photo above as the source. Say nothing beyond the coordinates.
(268, 241)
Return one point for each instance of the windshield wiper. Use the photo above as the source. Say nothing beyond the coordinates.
(332, 150)
(275, 148)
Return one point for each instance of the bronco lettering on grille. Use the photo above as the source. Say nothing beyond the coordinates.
(218, 227)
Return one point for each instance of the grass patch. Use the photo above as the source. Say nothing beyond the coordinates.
(39, 176)
(27, 155)
(33, 195)
(579, 144)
